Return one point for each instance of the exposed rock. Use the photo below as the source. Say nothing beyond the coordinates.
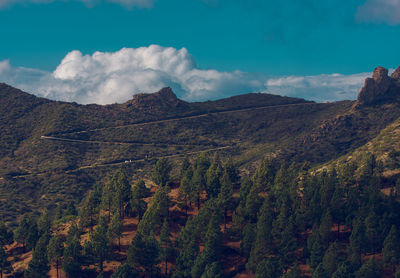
(164, 99)
(380, 87)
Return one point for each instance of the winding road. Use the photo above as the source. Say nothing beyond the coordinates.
(127, 161)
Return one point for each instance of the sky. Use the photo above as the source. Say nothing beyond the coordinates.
(104, 51)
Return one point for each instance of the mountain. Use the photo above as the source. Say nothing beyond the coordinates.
(52, 152)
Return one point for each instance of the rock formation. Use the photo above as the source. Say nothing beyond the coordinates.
(381, 87)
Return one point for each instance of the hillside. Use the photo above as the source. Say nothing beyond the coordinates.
(52, 152)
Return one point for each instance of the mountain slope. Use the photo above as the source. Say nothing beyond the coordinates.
(86, 139)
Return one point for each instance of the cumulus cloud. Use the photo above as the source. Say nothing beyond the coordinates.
(109, 77)
(380, 11)
(126, 3)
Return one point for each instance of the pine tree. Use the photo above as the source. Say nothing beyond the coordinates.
(287, 245)
(330, 260)
(358, 242)
(122, 192)
(72, 254)
(115, 229)
(325, 229)
(316, 250)
(225, 196)
(98, 245)
(188, 249)
(391, 248)
(263, 244)
(161, 172)
(212, 248)
(213, 176)
(55, 251)
(143, 253)
(32, 235)
(372, 231)
(268, 268)
(5, 265)
(370, 269)
(213, 270)
(344, 271)
(21, 233)
(166, 249)
(320, 272)
(38, 267)
(44, 223)
(88, 211)
(107, 198)
(138, 205)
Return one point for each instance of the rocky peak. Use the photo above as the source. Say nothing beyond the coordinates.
(396, 74)
(161, 100)
(380, 87)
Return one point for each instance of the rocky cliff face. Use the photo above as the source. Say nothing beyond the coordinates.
(381, 87)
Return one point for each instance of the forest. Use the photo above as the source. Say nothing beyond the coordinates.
(203, 218)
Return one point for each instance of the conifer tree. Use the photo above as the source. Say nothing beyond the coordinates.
(212, 248)
(166, 249)
(115, 229)
(370, 269)
(88, 211)
(161, 172)
(72, 254)
(98, 246)
(213, 270)
(107, 198)
(138, 205)
(144, 253)
(55, 251)
(330, 260)
(188, 248)
(358, 242)
(21, 233)
(213, 176)
(44, 223)
(38, 267)
(225, 196)
(263, 244)
(391, 248)
(268, 268)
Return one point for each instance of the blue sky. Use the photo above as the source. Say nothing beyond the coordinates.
(261, 38)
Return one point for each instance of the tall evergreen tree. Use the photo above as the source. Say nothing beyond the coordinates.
(98, 246)
(115, 229)
(225, 196)
(161, 172)
(55, 251)
(166, 248)
(144, 253)
(38, 267)
(213, 176)
(391, 248)
(138, 205)
(263, 244)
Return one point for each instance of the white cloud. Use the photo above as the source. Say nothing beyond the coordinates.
(324, 87)
(147, 4)
(380, 11)
(109, 77)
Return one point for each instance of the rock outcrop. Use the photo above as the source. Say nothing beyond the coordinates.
(165, 99)
(381, 87)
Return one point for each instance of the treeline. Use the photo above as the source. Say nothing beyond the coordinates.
(290, 220)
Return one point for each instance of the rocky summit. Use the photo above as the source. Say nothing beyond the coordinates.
(381, 87)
